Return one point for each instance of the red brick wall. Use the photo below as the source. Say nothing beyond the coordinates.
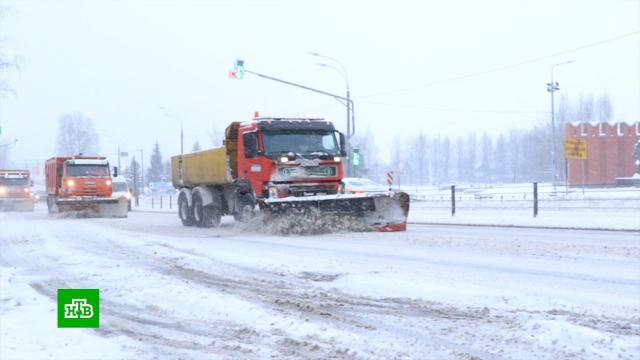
(609, 152)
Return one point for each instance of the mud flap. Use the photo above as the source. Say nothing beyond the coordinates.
(345, 212)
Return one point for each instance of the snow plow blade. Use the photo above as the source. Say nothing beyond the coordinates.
(371, 212)
(94, 207)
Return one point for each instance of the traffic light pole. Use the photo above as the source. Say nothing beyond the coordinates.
(347, 102)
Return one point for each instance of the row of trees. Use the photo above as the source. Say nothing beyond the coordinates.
(511, 156)
(425, 158)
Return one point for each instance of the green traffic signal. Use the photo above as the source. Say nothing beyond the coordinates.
(239, 69)
(356, 157)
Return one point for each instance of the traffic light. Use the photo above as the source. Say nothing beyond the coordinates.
(356, 157)
(239, 73)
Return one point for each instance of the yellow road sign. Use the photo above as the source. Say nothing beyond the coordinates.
(575, 149)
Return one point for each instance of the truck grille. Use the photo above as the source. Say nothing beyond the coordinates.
(321, 171)
(308, 171)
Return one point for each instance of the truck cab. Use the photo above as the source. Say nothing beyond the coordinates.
(78, 182)
(282, 157)
(15, 190)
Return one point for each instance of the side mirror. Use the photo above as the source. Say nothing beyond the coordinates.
(31, 183)
(343, 145)
(115, 171)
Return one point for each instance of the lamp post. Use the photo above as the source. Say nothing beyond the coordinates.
(552, 87)
(142, 169)
(349, 103)
(172, 114)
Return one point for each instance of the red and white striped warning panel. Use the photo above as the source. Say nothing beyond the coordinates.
(390, 177)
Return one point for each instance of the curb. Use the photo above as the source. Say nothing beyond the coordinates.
(527, 227)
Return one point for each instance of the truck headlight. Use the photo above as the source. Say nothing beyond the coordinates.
(108, 182)
(337, 159)
(2, 190)
(284, 159)
(273, 192)
(26, 190)
(71, 183)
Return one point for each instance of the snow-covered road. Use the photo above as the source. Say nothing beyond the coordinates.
(433, 292)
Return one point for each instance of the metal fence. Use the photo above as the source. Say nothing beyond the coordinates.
(156, 202)
(535, 197)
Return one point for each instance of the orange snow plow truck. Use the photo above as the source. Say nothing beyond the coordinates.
(82, 184)
(290, 169)
(15, 190)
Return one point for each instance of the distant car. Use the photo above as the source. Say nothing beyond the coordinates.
(120, 189)
(362, 186)
(161, 187)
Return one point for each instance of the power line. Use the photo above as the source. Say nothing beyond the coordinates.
(456, 110)
(501, 68)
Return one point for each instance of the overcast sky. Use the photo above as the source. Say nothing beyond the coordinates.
(118, 62)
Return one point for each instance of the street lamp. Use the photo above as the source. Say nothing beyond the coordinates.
(350, 114)
(552, 87)
(14, 142)
(172, 114)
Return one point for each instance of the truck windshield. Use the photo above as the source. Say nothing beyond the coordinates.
(87, 170)
(300, 142)
(14, 181)
(119, 186)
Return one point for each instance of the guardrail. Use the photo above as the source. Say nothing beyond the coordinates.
(535, 197)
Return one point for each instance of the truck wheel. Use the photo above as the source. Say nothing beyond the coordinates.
(205, 216)
(51, 204)
(211, 217)
(245, 212)
(184, 211)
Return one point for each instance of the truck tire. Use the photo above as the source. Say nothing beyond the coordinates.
(51, 204)
(205, 216)
(184, 211)
(245, 208)
(212, 217)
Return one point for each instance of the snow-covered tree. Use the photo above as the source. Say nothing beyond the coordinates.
(156, 169)
(76, 135)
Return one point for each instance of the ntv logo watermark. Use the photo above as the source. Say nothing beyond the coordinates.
(78, 308)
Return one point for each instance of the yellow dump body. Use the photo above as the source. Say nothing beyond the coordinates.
(208, 167)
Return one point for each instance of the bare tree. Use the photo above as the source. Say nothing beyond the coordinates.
(216, 137)
(585, 110)
(446, 159)
(196, 146)
(461, 172)
(76, 135)
(604, 108)
(501, 166)
(486, 159)
(6, 62)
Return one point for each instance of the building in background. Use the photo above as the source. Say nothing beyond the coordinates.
(610, 153)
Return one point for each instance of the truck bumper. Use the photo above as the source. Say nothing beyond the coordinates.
(17, 203)
(85, 201)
